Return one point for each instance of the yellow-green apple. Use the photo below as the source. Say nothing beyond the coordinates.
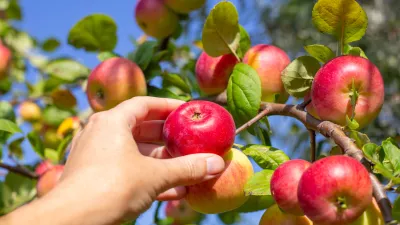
(332, 87)
(49, 180)
(114, 81)
(29, 111)
(310, 107)
(284, 183)
(68, 126)
(181, 213)
(225, 192)
(51, 139)
(43, 167)
(371, 216)
(275, 216)
(155, 18)
(212, 73)
(269, 61)
(63, 99)
(184, 6)
(5, 61)
(199, 127)
(335, 190)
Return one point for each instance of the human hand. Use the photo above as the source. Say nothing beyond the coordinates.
(111, 176)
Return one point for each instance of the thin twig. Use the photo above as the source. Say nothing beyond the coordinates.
(312, 144)
(19, 170)
(157, 213)
(302, 106)
(252, 121)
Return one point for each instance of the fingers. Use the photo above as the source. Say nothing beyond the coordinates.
(149, 131)
(191, 169)
(172, 194)
(138, 109)
(154, 151)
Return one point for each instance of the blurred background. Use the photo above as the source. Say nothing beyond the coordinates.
(284, 23)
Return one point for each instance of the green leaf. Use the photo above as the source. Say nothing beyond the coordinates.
(259, 183)
(55, 116)
(36, 143)
(372, 152)
(360, 138)
(102, 56)
(16, 191)
(22, 42)
(392, 153)
(67, 70)
(176, 80)
(244, 93)
(352, 123)
(9, 126)
(396, 209)
(15, 148)
(230, 217)
(245, 42)
(165, 93)
(50, 45)
(221, 34)
(96, 32)
(262, 134)
(266, 157)
(298, 76)
(144, 54)
(62, 147)
(344, 19)
(5, 85)
(6, 111)
(321, 52)
(357, 51)
(14, 10)
(51, 155)
(256, 203)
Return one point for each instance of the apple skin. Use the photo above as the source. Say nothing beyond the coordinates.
(332, 86)
(199, 127)
(49, 180)
(63, 99)
(69, 125)
(181, 213)
(114, 81)
(184, 6)
(155, 18)
(284, 183)
(43, 167)
(310, 107)
(212, 73)
(275, 216)
(335, 190)
(269, 61)
(225, 192)
(29, 111)
(5, 61)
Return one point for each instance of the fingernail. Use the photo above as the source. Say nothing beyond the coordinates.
(215, 165)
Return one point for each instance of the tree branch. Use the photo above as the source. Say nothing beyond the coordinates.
(252, 121)
(312, 145)
(19, 170)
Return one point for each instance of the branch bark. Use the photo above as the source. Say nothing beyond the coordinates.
(312, 145)
(19, 170)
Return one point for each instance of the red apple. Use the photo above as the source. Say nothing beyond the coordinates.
(184, 6)
(49, 180)
(181, 213)
(225, 192)
(212, 73)
(199, 127)
(114, 81)
(5, 61)
(275, 216)
(335, 190)
(332, 88)
(269, 61)
(43, 167)
(284, 183)
(155, 18)
(29, 111)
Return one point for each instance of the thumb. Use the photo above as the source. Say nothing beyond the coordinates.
(192, 169)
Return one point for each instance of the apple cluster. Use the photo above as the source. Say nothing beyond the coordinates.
(160, 18)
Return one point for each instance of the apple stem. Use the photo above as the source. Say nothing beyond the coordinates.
(196, 116)
(341, 203)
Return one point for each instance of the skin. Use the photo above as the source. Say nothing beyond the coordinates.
(332, 86)
(155, 18)
(5, 60)
(43, 167)
(63, 98)
(224, 193)
(29, 111)
(69, 125)
(212, 73)
(327, 193)
(187, 128)
(275, 216)
(269, 61)
(49, 180)
(284, 183)
(184, 6)
(137, 171)
(114, 81)
(181, 212)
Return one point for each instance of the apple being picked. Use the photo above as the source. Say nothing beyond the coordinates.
(269, 61)
(225, 192)
(284, 183)
(199, 127)
(184, 6)
(49, 180)
(155, 18)
(212, 73)
(114, 81)
(43, 167)
(275, 216)
(332, 87)
(335, 190)
(5, 60)
(181, 213)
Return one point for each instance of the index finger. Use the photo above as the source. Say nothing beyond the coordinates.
(138, 109)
